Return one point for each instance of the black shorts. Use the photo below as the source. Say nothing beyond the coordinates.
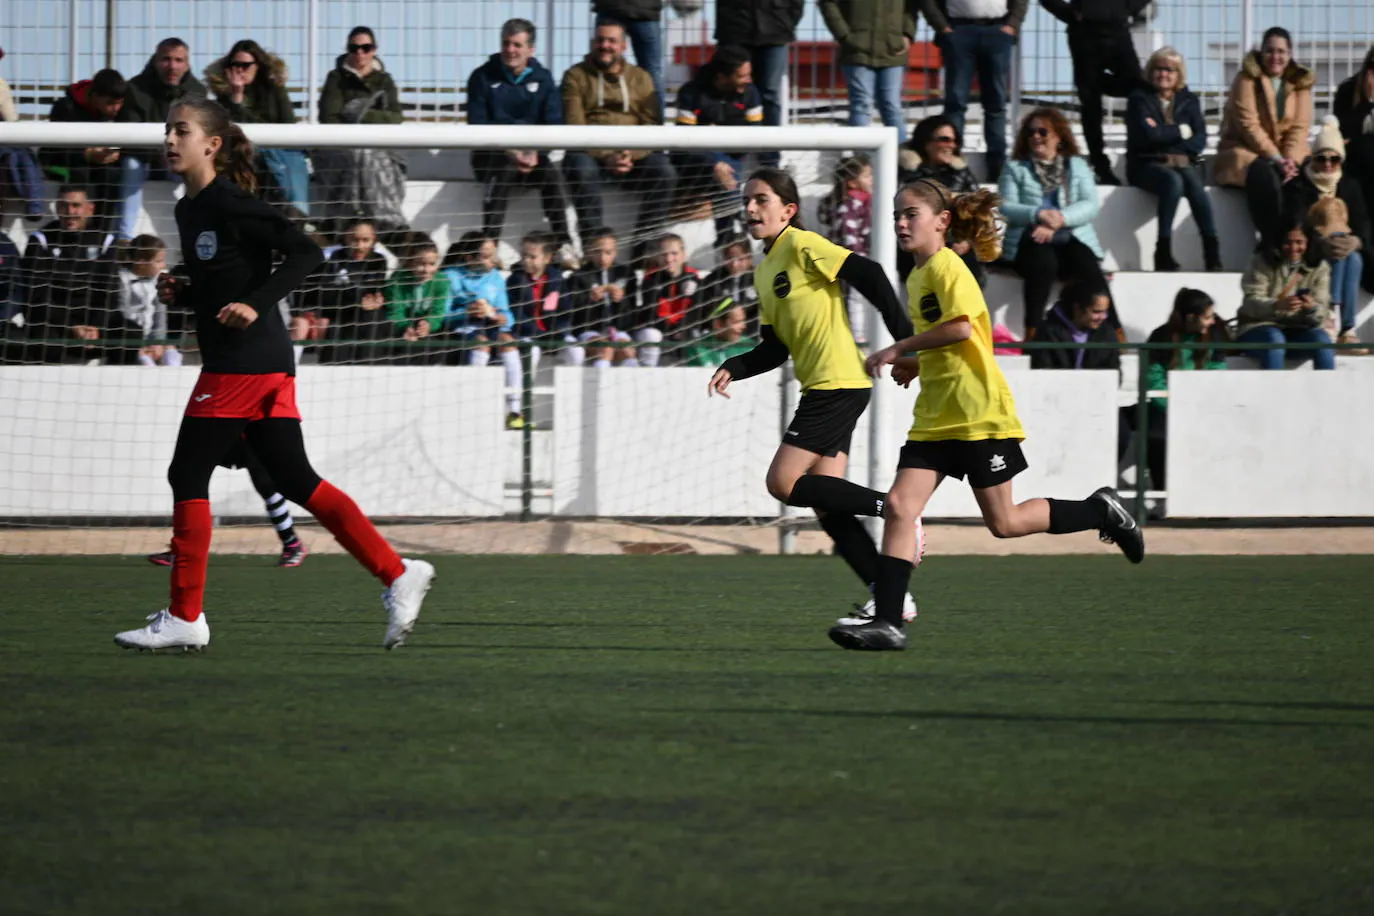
(985, 462)
(824, 421)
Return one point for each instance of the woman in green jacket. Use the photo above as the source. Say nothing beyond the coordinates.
(251, 84)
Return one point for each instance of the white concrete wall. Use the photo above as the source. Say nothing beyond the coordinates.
(1270, 444)
(83, 441)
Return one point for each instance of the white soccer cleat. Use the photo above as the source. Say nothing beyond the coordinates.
(402, 601)
(869, 609)
(920, 545)
(166, 633)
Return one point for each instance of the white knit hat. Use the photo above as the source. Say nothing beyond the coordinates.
(1329, 138)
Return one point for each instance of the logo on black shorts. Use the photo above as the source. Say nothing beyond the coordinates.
(782, 285)
(930, 308)
(997, 463)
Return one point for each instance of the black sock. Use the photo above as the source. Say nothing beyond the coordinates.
(854, 544)
(837, 495)
(1070, 515)
(889, 590)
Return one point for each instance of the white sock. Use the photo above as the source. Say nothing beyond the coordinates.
(648, 352)
(510, 359)
(631, 363)
(171, 358)
(479, 357)
(574, 356)
(299, 351)
(145, 360)
(601, 363)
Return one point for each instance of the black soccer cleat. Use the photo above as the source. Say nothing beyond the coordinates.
(1120, 528)
(874, 636)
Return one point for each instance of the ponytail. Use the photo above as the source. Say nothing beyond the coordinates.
(235, 159)
(973, 217)
(236, 154)
(976, 220)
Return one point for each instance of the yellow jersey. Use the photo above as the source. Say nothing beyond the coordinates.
(799, 295)
(963, 394)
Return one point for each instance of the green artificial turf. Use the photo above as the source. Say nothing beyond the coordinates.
(676, 735)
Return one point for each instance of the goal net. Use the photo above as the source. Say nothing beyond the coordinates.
(534, 382)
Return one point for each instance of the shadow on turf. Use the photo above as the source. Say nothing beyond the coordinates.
(1260, 704)
(940, 715)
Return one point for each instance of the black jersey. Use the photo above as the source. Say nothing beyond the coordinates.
(228, 237)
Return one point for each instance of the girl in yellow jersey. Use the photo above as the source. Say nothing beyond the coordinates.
(966, 423)
(803, 315)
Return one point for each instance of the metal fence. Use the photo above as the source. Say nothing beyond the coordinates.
(430, 46)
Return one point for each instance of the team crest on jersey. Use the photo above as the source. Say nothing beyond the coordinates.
(533, 87)
(207, 245)
(782, 285)
(930, 308)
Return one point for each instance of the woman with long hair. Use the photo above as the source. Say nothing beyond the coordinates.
(247, 386)
(965, 423)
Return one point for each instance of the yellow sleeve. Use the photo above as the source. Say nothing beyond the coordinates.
(954, 292)
(821, 257)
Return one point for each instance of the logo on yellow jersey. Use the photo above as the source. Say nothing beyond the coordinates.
(930, 308)
(782, 285)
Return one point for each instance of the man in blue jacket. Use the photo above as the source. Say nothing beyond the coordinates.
(512, 87)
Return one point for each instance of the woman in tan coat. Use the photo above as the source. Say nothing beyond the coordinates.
(1264, 129)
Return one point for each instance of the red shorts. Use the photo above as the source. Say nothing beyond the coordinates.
(245, 397)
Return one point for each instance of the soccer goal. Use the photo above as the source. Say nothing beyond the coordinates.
(572, 416)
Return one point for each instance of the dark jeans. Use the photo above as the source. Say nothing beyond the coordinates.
(770, 66)
(646, 38)
(651, 181)
(1273, 359)
(499, 178)
(20, 171)
(696, 176)
(986, 51)
(1264, 196)
(1104, 63)
(1171, 185)
(1040, 265)
(1157, 441)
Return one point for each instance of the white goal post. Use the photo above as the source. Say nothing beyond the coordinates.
(797, 144)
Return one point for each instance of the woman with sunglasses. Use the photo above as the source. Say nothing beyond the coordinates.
(359, 90)
(1050, 200)
(367, 182)
(1344, 247)
(935, 153)
(251, 85)
(1166, 134)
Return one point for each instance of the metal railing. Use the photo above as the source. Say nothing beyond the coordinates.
(430, 46)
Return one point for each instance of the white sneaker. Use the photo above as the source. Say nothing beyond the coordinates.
(402, 601)
(869, 609)
(167, 634)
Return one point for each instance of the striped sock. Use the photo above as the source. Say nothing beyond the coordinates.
(280, 512)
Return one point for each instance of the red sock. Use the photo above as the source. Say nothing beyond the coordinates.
(341, 515)
(191, 525)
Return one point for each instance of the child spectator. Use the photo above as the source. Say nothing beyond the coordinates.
(666, 300)
(536, 293)
(730, 284)
(600, 286)
(726, 340)
(418, 295)
(1080, 316)
(847, 213)
(348, 293)
(479, 312)
(11, 301)
(144, 312)
(1287, 299)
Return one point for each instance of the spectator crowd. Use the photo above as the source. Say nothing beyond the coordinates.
(87, 284)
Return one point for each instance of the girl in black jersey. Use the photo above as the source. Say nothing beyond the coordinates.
(247, 387)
